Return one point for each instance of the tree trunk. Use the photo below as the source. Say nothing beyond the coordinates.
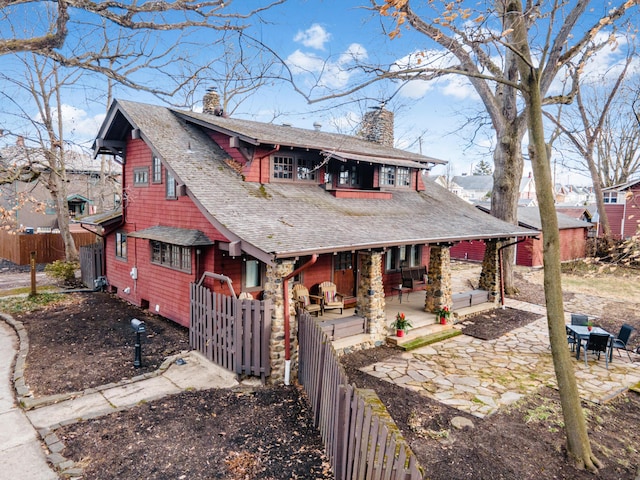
(578, 445)
(58, 189)
(508, 165)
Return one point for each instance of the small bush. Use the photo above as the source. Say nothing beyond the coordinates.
(62, 271)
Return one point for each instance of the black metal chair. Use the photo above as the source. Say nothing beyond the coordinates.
(571, 339)
(598, 343)
(622, 340)
(579, 319)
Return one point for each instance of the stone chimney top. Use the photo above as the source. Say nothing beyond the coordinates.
(211, 103)
(377, 126)
(20, 141)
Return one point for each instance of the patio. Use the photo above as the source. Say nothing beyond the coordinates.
(479, 377)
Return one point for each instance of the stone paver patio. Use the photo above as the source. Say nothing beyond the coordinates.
(480, 376)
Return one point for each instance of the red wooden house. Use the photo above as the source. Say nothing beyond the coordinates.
(255, 201)
(622, 204)
(573, 240)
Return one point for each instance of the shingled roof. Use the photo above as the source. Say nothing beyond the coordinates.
(285, 219)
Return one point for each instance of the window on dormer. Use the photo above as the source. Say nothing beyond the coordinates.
(294, 168)
(403, 177)
(387, 175)
(349, 176)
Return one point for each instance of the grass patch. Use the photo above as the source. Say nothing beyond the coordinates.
(26, 291)
(14, 305)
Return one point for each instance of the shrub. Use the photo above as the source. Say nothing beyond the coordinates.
(63, 271)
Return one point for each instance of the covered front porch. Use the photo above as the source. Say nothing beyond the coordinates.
(345, 328)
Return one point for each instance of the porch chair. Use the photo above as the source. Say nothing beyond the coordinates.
(598, 343)
(622, 339)
(331, 299)
(571, 339)
(579, 319)
(310, 303)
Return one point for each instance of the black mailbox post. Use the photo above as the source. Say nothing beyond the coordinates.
(138, 327)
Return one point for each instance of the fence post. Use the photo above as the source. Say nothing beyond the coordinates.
(32, 262)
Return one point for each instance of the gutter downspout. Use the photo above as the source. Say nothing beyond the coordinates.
(287, 319)
(501, 268)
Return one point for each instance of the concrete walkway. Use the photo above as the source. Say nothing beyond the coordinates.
(29, 447)
(479, 377)
(21, 453)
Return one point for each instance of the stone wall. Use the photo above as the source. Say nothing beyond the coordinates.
(371, 299)
(439, 288)
(273, 289)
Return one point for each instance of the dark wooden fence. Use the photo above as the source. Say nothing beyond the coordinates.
(360, 437)
(91, 261)
(231, 332)
(49, 247)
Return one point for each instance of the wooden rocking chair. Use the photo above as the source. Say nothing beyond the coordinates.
(331, 299)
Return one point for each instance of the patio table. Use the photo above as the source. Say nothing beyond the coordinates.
(581, 333)
(401, 289)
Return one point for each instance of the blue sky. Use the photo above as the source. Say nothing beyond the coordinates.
(327, 36)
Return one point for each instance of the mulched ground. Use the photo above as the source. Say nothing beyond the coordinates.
(267, 433)
(491, 325)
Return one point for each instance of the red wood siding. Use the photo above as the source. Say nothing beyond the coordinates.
(165, 290)
(573, 244)
(469, 250)
(624, 215)
(527, 253)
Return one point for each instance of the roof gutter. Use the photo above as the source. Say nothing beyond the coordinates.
(287, 315)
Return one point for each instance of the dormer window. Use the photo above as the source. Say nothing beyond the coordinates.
(394, 176)
(294, 168)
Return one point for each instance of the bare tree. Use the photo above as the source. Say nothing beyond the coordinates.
(49, 33)
(475, 39)
(601, 129)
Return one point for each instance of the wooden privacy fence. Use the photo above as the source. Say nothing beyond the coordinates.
(231, 332)
(48, 246)
(360, 437)
(91, 261)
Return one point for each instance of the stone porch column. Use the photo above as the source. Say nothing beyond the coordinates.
(371, 301)
(490, 275)
(274, 289)
(438, 278)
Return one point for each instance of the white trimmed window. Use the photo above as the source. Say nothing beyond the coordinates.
(141, 176)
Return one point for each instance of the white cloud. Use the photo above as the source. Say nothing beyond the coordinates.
(313, 37)
(326, 72)
(78, 124)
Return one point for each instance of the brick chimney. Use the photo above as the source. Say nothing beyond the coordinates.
(377, 126)
(211, 103)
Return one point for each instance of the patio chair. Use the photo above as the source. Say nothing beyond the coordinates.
(622, 339)
(310, 303)
(331, 299)
(579, 319)
(571, 339)
(598, 343)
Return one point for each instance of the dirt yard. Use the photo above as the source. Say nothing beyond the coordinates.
(85, 340)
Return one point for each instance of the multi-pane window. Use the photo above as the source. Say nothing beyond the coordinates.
(156, 165)
(403, 256)
(252, 274)
(294, 168)
(171, 185)
(121, 245)
(403, 178)
(610, 197)
(141, 176)
(343, 261)
(387, 175)
(349, 176)
(283, 167)
(172, 256)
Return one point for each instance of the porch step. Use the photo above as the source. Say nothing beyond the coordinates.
(462, 313)
(423, 335)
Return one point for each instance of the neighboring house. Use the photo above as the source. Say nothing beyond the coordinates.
(477, 188)
(573, 240)
(30, 203)
(622, 204)
(573, 195)
(257, 202)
